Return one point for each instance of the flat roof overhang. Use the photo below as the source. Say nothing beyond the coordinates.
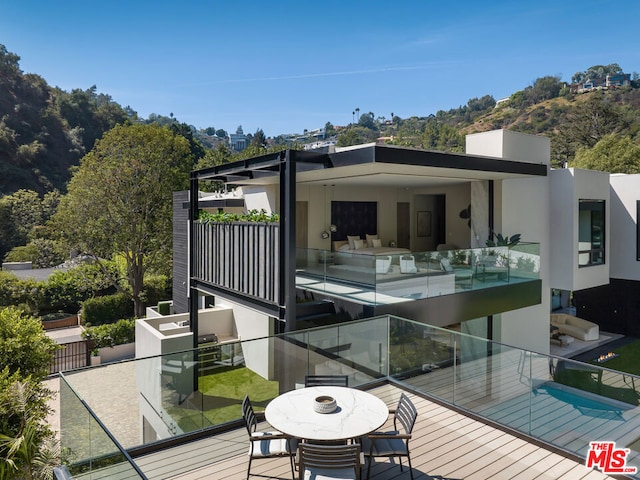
(373, 165)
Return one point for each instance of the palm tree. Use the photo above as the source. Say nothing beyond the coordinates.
(358, 114)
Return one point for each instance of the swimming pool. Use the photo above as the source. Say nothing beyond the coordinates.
(586, 403)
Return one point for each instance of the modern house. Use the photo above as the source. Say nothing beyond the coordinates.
(491, 402)
(414, 203)
(614, 305)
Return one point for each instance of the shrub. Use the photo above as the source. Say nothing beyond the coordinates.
(107, 309)
(15, 291)
(156, 289)
(66, 290)
(24, 346)
(111, 334)
(42, 252)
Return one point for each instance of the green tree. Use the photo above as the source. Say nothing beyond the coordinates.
(259, 139)
(591, 120)
(612, 154)
(367, 120)
(120, 200)
(24, 346)
(22, 213)
(355, 135)
(217, 156)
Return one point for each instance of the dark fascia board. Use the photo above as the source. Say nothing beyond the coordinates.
(268, 165)
(270, 162)
(409, 156)
(262, 166)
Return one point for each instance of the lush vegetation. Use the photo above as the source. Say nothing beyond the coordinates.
(28, 448)
(256, 216)
(120, 201)
(106, 309)
(111, 334)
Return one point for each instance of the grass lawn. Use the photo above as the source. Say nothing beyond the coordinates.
(220, 397)
(628, 359)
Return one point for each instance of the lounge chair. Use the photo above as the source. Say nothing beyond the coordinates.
(408, 264)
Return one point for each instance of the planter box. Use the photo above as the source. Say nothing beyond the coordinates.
(117, 353)
(62, 323)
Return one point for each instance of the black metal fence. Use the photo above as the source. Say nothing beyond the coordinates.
(71, 355)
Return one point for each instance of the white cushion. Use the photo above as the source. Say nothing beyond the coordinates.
(376, 242)
(351, 239)
(329, 474)
(370, 239)
(264, 447)
(358, 244)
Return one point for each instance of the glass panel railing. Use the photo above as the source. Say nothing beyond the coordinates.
(89, 450)
(559, 401)
(388, 279)
(563, 402)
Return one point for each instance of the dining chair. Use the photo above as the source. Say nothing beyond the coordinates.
(326, 380)
(394, 443)
(266, 444)
(328, 462)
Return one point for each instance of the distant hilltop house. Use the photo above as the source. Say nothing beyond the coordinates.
(238, 141)
(602, 83)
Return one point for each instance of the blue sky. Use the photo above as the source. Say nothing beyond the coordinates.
(289, 65)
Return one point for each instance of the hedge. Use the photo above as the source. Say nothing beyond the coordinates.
(108, 335)
(107, 309)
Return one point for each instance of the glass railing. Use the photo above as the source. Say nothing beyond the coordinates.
(89, 449)
(562, 402)
(385, 279)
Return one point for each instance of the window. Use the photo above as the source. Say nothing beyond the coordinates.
(591, 233)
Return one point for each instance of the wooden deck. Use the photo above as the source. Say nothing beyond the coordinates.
(446, 445)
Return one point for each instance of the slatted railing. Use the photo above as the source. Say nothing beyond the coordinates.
(241, 256)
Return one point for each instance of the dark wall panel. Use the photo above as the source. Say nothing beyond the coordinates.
(180, 251)
(354, 218)
(614, 307)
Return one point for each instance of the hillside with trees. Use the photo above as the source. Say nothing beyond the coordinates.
(46, 132)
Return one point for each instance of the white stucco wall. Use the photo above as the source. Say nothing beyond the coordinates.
(568, 187)
(260, 197)
(510, 145)
(522, 206)
(524, 209)
(252, 324)
(623, 237)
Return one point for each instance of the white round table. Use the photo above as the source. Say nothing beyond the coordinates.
(358, 413)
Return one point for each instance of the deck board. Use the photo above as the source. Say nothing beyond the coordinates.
(445, 445)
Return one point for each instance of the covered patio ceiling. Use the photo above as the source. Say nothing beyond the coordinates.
(373, 165)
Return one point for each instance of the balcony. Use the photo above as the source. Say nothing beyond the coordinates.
(388, 279)
(483, 406)
(243, 258)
